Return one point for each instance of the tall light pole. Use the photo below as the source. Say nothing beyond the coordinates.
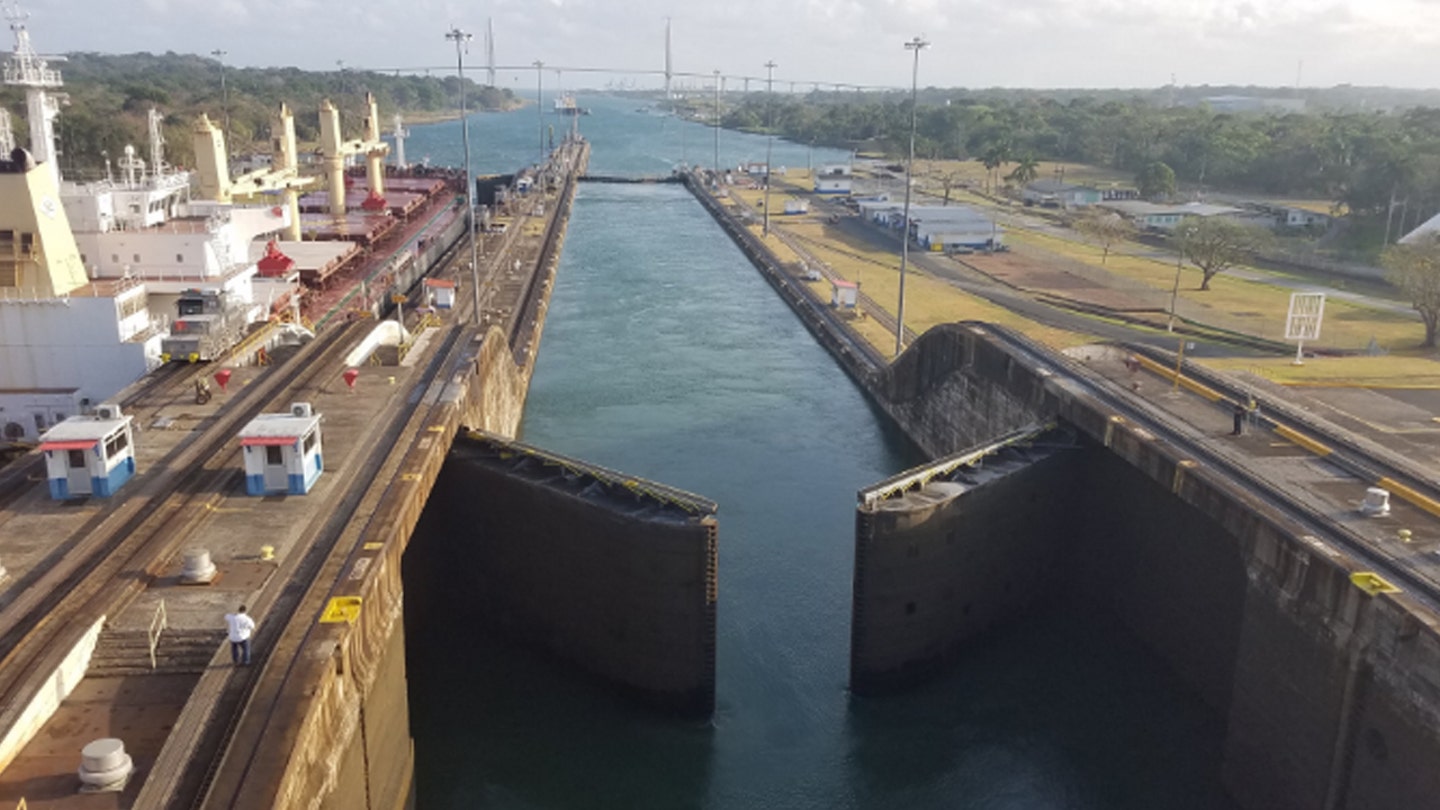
(917, 44)
(224, 95)
(539, 103)
(717, 128)
(769, 141)
(462, 40)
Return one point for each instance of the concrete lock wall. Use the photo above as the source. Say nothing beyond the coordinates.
(943, 563)
(1330, 694)
(592, 570)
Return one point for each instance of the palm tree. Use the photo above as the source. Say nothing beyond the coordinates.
(1026, 170)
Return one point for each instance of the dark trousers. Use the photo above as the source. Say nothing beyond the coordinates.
(240, 652)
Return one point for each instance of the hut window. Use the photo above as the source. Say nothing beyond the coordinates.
(77, 459)
(310, 442)
(273, 456)
(115, 444)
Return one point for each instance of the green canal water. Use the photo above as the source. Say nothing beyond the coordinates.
(667, 356)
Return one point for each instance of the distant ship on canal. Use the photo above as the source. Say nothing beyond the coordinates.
(565, 105)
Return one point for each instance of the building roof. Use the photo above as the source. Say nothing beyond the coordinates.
(1428, 227)
(1140, 208)
(1053, 186)
(277, 426)
(81, 429)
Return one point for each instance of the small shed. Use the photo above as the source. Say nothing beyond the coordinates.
(282, 452)
(441, 292)
(89, 455)
(844, 294)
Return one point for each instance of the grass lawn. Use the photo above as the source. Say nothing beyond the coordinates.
(1245, 306)
(1251, 307)
(1402, 370)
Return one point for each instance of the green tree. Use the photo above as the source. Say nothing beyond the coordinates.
(1415, 269)
(1105, 228)
(1156, 181)
(1026, 170)
(1216, 244)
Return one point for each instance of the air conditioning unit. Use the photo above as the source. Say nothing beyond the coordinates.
(108, 411)
(302, 409)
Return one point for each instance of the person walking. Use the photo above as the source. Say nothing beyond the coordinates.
(241, 626)
(1238, 418)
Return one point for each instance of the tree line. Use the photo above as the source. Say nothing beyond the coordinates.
(1363, 162)
(110, 96)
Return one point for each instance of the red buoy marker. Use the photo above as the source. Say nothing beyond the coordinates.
(350, 376)
(222, 378)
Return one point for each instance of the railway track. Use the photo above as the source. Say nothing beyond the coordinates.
(1415, 578)
(112, 558)
(258, 694)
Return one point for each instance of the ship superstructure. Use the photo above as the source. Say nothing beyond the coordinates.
(91, 272)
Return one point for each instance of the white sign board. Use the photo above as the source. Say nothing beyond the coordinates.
(1306, 310)
(1303, 322)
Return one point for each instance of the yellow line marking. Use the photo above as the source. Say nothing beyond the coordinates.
(1303, 441)
(1185, 382)
(1406, 493)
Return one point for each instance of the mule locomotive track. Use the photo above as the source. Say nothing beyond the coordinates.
(1420, 581)
(111, 559)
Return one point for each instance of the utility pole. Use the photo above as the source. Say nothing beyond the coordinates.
(917, 44)
(462, 41)
(224, 96)
(769, 140)
(539, 103)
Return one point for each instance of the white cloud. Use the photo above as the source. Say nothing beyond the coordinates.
(975, 42)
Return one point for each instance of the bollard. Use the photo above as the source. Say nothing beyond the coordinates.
(104, 766)
(197, 568)
(1376, 503)
(267, 553)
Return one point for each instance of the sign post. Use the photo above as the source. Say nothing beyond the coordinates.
(1303, 321)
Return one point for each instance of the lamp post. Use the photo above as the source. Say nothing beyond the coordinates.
(224, 95)
(917, 44)
(461, 40)
(717, 129)
(769, 140)
(540, 104)
(1175, 290)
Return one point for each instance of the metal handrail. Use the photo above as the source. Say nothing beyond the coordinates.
(158, 624)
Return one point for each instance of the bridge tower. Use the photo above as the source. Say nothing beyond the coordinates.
(668, 64)
(29, 70)
(489, 52)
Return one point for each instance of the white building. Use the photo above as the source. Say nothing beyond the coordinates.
(1157, 217)
(834, 179)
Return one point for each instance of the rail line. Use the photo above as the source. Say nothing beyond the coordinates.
(109, 563)
(1376, 465)
(258, 692)
(1403, 572)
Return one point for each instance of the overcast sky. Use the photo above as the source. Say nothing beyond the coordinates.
(975, 43)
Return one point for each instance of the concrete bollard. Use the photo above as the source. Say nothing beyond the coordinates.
(104, 766)
(197, 569)
(1376, 503)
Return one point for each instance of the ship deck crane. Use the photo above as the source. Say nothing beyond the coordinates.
(282, 176)
(335, 150)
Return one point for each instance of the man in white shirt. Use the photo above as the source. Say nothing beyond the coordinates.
(241, 626)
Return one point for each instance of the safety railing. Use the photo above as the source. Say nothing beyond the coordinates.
(158, 624)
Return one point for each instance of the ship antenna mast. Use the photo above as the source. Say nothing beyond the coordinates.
(7, 134)
(157, 144)
(29, 70)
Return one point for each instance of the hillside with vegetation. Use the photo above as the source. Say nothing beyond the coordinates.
(110, 95)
